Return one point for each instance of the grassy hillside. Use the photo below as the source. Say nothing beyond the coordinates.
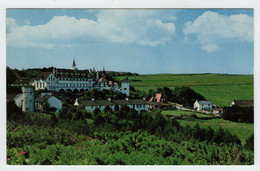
(242, 130)
(219, 88)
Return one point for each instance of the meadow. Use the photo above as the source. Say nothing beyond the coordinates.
(220, 89)
(179, 113)
(241, 130)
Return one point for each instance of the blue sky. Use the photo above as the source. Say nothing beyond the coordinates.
(142, 41)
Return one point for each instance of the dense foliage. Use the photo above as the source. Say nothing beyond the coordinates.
(118, 138)
(185, 96)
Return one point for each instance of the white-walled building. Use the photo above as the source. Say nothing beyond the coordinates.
(91, 105)
(51, 99)
(25, 100)
(125, 87)
(202, 105)
(76, 80)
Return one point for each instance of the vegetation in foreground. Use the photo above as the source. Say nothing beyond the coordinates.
(119, 138)
(242, 130)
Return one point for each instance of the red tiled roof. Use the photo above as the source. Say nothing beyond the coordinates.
(102, 80)
(157, 98)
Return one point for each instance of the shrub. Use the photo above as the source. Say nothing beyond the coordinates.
(250, 143)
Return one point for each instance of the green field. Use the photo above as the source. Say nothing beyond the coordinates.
(184, 113)
(242, 130)
(221, 89)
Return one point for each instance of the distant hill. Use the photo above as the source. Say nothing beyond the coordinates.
(221, 89)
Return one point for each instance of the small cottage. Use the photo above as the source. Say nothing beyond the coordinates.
(202, 105)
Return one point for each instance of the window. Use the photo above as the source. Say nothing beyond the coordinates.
(124, 88)
(91, 107)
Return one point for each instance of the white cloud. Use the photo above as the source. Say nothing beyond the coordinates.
(209, 47)
(117, 26)
(212, 29)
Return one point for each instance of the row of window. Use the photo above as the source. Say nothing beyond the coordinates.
(73, 79)
(66, 73)
(138, 106)
(73, 84)
(40, 85)
(68, 79)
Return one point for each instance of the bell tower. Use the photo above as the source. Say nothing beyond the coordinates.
(74, 65)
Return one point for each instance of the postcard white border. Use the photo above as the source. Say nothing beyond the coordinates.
(127, 4)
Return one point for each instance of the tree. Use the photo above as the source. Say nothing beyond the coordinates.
(13, 111)
(96, 111)
(10, 76)
(124, 108)
(185, 96)
(47, 108)
(107, 109)
(116, 107)
(250, 143)
(64, 113)
(167, 93)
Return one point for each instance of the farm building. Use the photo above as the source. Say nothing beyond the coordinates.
(91, 105)
(202, 105)
(243, 103)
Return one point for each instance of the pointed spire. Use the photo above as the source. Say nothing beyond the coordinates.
(74, 65)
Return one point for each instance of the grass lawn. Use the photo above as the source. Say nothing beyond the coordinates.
(242, 130)
(223, 95)
(179, 113)
(221, 89)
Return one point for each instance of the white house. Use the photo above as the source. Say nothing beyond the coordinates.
(51, 99)
(202, 105)
(91, 105)
(24, 100)
(76, 80)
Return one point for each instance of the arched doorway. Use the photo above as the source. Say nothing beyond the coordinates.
(75, 91)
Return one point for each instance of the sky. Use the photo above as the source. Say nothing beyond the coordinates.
(147, 41)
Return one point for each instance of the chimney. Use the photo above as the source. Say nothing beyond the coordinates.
(127, 99)
(53, 71)
(97, 75)
(109, 99)
(93, 99)
(144, 98)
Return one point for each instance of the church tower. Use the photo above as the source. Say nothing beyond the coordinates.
(125, 87)
(74, 65)
(27, 99)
